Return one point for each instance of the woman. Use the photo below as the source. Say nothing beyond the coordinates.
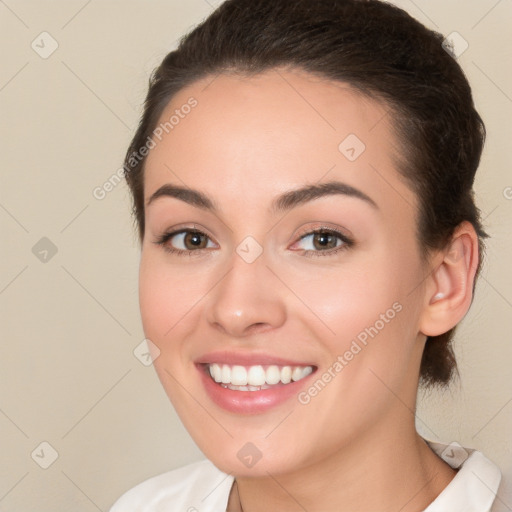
(302, 185)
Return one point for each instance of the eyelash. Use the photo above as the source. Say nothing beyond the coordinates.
(347, 242)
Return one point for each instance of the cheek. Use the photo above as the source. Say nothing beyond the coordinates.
(367, 341)
(155, 297)
(345, 300)
(365, 318)
(164, 301)
(166, 296)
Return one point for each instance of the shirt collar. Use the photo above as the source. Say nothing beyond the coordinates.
(474, 487)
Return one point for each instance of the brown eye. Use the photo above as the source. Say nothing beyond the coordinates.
(185, 241)
(324, 240)
(195, 240)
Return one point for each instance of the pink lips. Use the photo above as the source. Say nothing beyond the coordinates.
(249, 402)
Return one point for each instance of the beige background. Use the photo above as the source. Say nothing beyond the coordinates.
(70, 324)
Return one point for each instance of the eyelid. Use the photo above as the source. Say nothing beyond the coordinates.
(180, 228)
(345, 234)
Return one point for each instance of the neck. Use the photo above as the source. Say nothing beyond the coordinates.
(391, 469)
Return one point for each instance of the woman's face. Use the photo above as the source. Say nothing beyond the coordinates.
(259, 295)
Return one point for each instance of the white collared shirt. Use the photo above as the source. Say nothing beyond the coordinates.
(202, 487)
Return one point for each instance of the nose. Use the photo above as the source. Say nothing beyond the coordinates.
(248, 299)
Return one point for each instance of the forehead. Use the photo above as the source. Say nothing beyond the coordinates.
(264, 134)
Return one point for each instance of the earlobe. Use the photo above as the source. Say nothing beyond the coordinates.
(449, 288)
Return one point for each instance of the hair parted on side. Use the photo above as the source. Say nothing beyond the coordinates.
(382, 52)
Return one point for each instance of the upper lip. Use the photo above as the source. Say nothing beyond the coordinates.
(247, 359)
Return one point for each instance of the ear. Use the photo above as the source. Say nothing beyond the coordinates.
(449, 287)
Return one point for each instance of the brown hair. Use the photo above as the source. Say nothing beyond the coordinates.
(382, 52)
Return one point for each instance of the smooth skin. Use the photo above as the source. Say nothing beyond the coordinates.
(354, 446)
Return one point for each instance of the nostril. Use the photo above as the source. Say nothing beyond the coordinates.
(259, 327)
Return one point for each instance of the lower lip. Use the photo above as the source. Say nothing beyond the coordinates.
(250, 402)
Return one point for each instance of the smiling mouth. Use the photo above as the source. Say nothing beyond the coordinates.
(257, 377)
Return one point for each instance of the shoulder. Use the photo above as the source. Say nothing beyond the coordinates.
(188, 488)
(474, 487)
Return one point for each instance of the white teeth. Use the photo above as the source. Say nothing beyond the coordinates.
(286, 374)
(238, 376)
(226, 374)
(307, 371)
(245, 388)
(215, 372)
(254, 378)
(296, 374)
(273, 375)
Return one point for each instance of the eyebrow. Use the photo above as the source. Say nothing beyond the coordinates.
(282, 203)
